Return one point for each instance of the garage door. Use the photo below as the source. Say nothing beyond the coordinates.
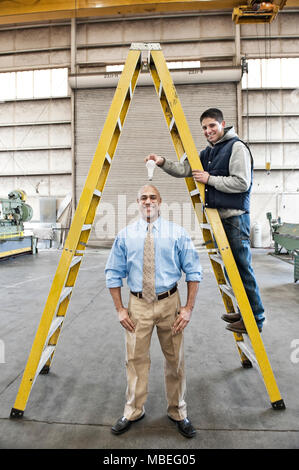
(144, 132)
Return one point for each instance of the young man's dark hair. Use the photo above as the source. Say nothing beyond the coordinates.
(213, 113)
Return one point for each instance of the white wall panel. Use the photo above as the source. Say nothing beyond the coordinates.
(60, 160)
(7, 40)
(27, 162)
(287, 208)
(263, 153)
(290, 128)
(267, 183)
(6, 138)
(291, 156)
(6, 163)
(291, 184)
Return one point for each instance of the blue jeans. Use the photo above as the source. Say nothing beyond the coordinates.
(237, 229)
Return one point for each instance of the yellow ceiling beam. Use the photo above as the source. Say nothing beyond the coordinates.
(12, 11)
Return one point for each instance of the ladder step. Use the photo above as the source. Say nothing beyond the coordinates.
(75, 261)
(97, 193)
(54, 325)
(194, 192)
(44, 357)
(108, 158)
(119, 124)
(66, 291)
(206, 226)
(247, 351)
(183, 157)
(217, 258)
(86, 227)
(172, 122)
(227, 290)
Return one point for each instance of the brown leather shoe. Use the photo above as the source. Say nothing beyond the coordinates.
(238, 327)
(231, 317)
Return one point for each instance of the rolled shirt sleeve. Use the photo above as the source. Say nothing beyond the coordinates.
(189, 258)
(116, 266)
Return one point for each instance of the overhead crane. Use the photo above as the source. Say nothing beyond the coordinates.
(246, 11)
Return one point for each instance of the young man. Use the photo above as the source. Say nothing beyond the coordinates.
(151, 253)
(227, 173)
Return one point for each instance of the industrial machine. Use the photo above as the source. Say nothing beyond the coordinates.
(286, 236)
(257, 11)
(13, 213)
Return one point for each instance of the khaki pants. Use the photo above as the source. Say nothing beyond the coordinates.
(162, 314)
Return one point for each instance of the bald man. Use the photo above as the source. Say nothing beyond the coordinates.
(173, 253)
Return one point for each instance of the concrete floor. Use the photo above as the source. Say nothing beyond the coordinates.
(74, 406)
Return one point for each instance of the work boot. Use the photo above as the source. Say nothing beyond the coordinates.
(231, 317)
(239, 327)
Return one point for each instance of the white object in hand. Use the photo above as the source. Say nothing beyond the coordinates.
(150, 165)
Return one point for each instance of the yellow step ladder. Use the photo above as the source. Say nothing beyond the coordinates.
(47, 335)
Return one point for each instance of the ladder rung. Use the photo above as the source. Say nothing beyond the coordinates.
(66, 291)
(217, 258)
(172, 122)
(227, 290)
(75, 261)
(248, 353)
(119, 124)
(194, 192)
(183, 157)
(97, 193)
(130, 90)
(54, 325)
(206, 226)
(44, 357)
(108, 158)
(86, 227)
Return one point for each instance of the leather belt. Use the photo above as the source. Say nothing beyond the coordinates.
(159, 296)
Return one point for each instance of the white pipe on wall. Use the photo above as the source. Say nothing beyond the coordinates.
(200, 75)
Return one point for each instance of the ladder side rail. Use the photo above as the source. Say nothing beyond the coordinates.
(176, 121)
(74, 244)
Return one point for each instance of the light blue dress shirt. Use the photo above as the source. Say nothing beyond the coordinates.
(174, 253)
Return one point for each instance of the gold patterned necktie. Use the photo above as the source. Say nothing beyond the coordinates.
(148, 287)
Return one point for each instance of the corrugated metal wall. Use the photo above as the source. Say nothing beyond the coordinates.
(144, 132)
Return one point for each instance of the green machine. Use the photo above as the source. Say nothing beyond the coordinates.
(286, 235)
(13, 213)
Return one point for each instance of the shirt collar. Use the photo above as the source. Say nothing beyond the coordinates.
(156, 224)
